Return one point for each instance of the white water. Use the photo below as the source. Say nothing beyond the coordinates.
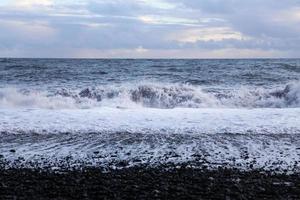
(256, 121)
(269, 137)
(244, 127)
(154, 95)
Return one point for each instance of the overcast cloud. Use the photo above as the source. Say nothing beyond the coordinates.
(150, 28)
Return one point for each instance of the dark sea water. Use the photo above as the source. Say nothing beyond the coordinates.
(237, 113)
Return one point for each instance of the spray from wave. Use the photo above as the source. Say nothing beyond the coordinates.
(164, 96)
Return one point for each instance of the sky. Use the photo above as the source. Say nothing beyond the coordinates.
(150, 28)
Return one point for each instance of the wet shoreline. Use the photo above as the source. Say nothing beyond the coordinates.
(148, 183)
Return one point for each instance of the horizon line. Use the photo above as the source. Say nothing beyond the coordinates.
(166, 58)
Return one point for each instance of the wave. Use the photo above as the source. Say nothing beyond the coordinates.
(153, 95)
(285, 97)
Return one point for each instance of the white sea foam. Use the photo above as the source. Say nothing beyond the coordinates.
(153, 96)
(265, 138)
(13, 98)
(136, 120)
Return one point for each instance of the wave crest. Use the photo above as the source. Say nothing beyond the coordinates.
(285, 97)
(153, 95)
(170, 97)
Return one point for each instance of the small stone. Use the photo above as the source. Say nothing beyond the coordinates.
(12, 151)
(122, 164)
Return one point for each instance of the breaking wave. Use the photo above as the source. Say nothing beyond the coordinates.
(162, 96)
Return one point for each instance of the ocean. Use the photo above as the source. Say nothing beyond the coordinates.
(126, 112)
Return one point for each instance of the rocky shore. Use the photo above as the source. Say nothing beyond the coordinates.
(147, 183)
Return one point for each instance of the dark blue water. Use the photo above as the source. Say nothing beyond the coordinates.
(82, 73)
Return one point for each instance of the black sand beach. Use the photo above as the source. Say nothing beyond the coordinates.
(147, 183)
